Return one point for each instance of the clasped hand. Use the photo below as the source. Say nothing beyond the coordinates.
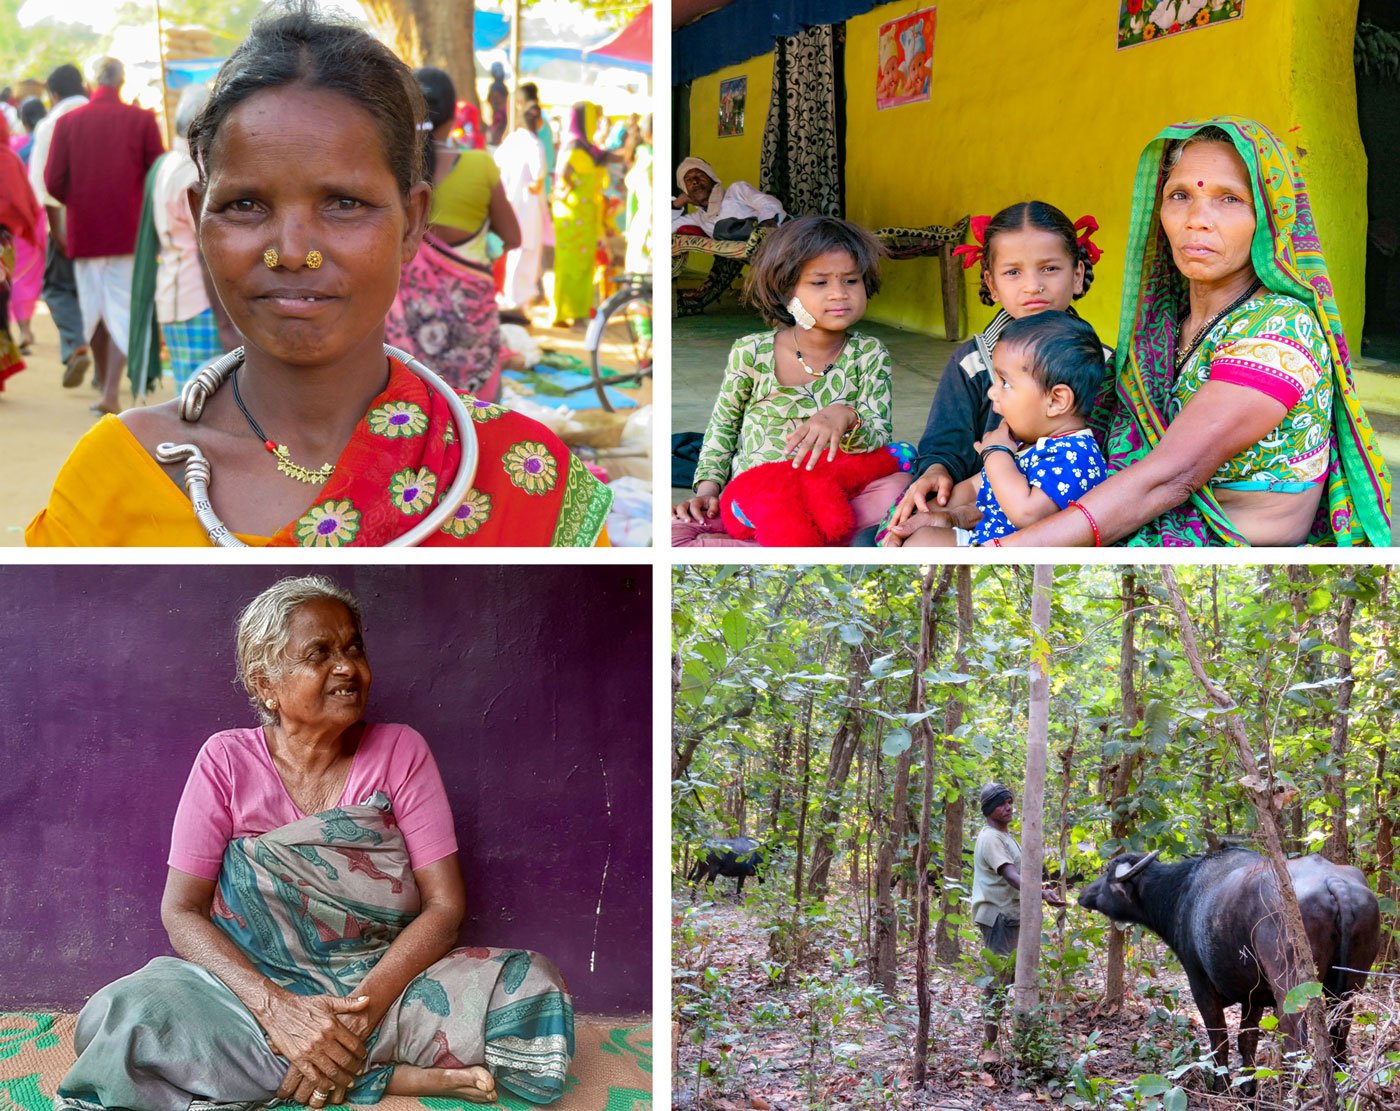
(323, 1036)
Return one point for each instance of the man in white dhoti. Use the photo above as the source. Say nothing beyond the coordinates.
(521, 159)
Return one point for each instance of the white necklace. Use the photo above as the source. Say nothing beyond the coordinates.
(198, 473)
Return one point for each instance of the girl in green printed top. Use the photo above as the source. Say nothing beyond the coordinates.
(809, 386)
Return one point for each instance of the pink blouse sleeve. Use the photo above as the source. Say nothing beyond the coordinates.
(1278, 366)
(420, 802)
(204, 820)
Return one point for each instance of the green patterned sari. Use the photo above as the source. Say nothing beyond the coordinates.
(1138, 403)
(315, 905)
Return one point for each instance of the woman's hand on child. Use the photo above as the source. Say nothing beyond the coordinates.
(704, 506)
(819, 433)
(963, 517)
(936, 481)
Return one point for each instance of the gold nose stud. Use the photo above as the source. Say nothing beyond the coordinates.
(313, 260)
(270, 258)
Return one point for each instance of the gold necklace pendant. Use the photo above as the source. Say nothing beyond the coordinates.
(297, 471)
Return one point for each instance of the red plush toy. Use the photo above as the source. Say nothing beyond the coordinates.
(783, 506)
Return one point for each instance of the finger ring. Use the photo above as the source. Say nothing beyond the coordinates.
(319, 1097)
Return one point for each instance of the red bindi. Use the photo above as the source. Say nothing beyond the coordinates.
(1200, 185)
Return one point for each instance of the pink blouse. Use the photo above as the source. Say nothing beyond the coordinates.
(234, 790)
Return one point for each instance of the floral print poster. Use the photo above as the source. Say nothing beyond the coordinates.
(1142, 21)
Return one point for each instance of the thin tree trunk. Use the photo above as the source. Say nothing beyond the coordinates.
(945, 941)
(775, 808)
(893, 822)
(1026, 994)
(1261, 794)
(1113, 991)
(925, 731)
(1334, 784)
(843, 750)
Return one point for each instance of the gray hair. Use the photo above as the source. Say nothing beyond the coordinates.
(109, 72)
(1208, 134)
(192, 102)
(264, 629)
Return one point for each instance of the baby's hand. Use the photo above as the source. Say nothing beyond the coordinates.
(1000, 436)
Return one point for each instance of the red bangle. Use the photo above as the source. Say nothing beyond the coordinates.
(995, 542)
(1093, 524)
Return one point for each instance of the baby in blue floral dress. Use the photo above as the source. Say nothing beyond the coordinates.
(1046, 372)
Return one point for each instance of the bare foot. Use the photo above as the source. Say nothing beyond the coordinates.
(473, 1083)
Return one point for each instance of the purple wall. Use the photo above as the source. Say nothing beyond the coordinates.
(531, 684)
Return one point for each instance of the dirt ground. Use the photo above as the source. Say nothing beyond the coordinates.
(40, 421)
(766, 1044)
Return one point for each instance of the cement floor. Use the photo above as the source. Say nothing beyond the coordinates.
(700, 345)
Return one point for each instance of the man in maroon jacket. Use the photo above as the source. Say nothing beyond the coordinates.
(97, 167)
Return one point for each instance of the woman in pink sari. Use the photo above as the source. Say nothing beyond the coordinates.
(446, 306)
(28, 276)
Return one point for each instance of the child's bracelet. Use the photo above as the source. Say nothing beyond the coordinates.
(986, 451)
(1093, 524)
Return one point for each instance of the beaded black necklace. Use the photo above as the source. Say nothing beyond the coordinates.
(1183, 357)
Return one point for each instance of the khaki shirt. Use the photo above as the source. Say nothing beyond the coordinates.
(991, 894)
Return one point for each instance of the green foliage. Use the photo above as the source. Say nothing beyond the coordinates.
(764, 659)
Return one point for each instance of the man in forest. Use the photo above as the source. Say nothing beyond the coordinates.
(996, 898)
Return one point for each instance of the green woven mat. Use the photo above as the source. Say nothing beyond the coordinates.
(611, 1070)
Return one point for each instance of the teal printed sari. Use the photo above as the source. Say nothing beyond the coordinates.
(315, 905)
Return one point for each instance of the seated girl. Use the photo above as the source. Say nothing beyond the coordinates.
(809, 386)
(1047, 370)
(1033, 260)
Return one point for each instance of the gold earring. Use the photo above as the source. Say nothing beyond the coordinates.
(270, 258)
(270, 703)
(313, 259)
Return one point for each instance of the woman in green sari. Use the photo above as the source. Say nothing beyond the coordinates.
(1231, 418)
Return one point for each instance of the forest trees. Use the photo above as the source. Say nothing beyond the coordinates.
(812, 691)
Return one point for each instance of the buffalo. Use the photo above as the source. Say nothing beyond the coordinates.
(1221, 915)
(738, 857)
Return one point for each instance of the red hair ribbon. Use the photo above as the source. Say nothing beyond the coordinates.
(1086, 226)
(973, 254)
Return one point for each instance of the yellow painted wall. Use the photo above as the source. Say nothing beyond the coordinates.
(1033, 101)
(735, 158)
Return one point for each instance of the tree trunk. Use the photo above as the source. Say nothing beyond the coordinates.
(843, 750)
(945, 941)
(1334, 784)
(1261, 794)
(1113, 991)
(925, 731)
(431, 33)
(780, 770)
(886, 920)
(1026, 994)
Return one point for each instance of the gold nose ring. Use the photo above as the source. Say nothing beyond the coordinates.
(270, 258)
(313, 259)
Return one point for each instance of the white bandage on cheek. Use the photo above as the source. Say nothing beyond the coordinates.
(800, 314)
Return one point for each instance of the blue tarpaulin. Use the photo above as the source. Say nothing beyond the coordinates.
(489, 29)
(533, 57)
(747, 28)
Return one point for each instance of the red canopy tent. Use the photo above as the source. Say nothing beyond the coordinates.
(631, 44)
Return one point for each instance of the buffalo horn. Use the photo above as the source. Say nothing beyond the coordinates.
(1122, 876)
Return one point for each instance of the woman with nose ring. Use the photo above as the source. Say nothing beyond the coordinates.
(310, 199)
(1231, 418)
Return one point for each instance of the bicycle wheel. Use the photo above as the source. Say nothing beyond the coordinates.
(622, 354)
